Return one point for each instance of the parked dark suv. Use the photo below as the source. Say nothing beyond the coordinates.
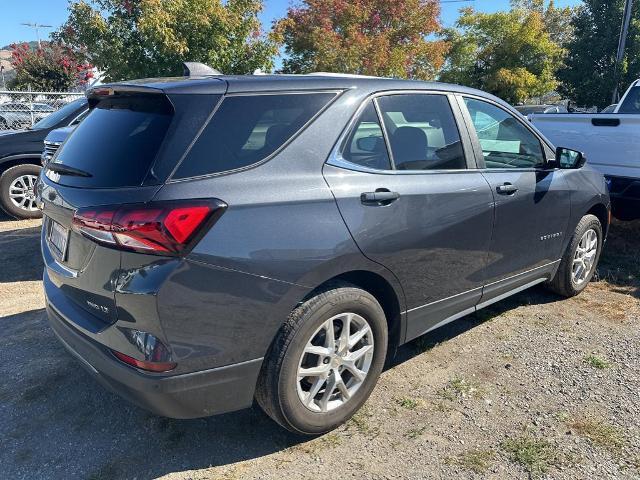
(20, 152)
(211, 241)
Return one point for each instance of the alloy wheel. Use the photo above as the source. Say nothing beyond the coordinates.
(335, 362)
(21, 192)
(584, 257)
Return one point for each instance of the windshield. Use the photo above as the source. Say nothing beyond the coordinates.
(58, 116)
(631, 103)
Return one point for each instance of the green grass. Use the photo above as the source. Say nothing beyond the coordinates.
(460, 388)
(599, 432)
(597, 362)
(536, 456)
(361, 422)
(414, 433)
(408, 403)
(478, 461)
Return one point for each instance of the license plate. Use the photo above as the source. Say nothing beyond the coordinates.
(58, 236)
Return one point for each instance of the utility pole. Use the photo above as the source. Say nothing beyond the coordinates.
(622, 42)
(37, 27)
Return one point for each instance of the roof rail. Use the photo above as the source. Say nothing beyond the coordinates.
(344, 75)
(197, 69)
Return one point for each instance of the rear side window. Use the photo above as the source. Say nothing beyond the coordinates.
(365, 145)
(116, 143)
(247, 129)
(422, 132)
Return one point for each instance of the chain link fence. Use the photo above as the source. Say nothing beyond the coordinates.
(24, 109)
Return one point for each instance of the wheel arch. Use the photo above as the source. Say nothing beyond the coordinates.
(388, 296)
(15, 160)
(602, 213)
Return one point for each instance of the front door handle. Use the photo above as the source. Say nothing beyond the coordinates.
(507, 189)
(379, 197)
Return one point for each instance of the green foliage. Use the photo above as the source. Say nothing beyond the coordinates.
(51, 67)
(535, 455)
(588, 77)
(509, 54)
(370, 37)
(597, 362)
(148, 38)
(557, 21)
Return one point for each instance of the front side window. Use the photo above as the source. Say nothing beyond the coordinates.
(365, 144)
(505, 142)
(247, 129)
(422, 132)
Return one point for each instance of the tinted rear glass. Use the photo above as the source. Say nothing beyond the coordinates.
(247, 129)
(631, 102)
(116, 143)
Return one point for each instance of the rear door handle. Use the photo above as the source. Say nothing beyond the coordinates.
(379, 197)
(507, 189)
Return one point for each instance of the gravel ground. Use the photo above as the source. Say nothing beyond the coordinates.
(533, 387)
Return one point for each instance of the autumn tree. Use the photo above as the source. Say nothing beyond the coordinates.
(148, 38)
(370, 37)
(509, 54)
(49, 67)
(557, 20)
(588, 77)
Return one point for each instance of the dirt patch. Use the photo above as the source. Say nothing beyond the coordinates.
(532, 387)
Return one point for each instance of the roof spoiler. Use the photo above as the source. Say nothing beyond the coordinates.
(197, 69)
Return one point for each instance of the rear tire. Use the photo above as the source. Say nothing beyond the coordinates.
(304, 345)
(13, 181)
(580, 260)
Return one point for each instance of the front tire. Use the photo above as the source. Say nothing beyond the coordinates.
(580, 260)
(325, 361)
(17, 197)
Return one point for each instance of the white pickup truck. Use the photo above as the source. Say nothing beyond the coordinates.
(611, 144)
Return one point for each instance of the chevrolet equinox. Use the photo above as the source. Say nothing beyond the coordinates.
(210, 241)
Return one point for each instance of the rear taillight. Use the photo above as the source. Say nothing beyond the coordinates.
(169, 228)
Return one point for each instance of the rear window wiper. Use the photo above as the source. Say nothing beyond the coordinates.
(67, 170)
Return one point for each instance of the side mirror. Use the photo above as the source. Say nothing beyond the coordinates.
(367, 144)
(569, 159)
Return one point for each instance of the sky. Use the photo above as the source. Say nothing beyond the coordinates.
(54, 12)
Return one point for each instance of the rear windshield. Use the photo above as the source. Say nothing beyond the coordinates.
(247, 129)
(116, 143)
(631, 102)
(58, 116)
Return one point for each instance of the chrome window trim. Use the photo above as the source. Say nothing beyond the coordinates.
(337, 160)
(77, 117)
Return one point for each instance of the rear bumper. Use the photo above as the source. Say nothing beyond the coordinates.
(190, 395)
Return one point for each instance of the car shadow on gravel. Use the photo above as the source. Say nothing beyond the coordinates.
(620, 261)
(534, 296)
(20, 258)
(56, 421)
(20, 255)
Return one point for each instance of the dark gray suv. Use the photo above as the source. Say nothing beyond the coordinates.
(210, 241)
